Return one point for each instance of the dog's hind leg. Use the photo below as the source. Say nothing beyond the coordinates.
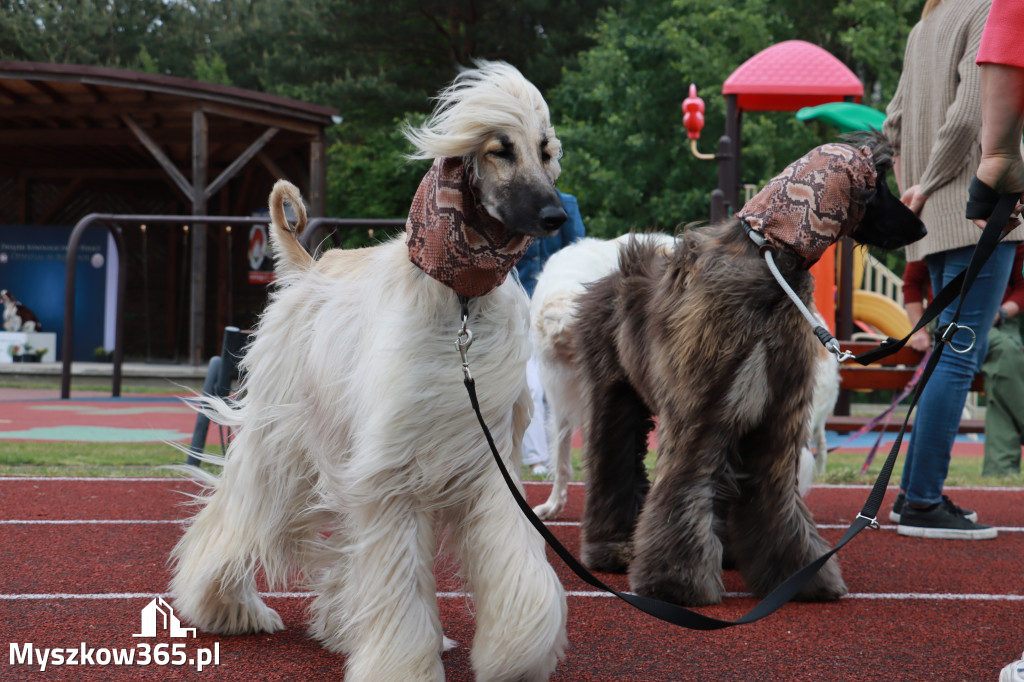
(520, 603)
(214, 583)
(617, 425)
(377, 603)
(559, 432)
(772, 532)
(251, 517)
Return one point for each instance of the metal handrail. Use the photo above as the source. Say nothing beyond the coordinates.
(311, 237)
(113, 221)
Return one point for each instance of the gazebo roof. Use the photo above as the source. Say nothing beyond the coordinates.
(125, 133)
(791, 75)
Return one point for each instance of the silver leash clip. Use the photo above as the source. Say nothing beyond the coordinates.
(463, 340)
(872, 523)
(951, 330)
(841, 355)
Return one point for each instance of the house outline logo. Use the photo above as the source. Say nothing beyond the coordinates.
(158, 612)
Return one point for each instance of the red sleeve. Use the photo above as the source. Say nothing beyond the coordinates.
(916, 282)
(1001, 43)
(1015, 290)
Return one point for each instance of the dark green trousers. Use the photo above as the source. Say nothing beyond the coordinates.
(1004, 399)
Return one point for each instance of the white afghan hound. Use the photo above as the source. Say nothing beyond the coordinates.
(356, 447)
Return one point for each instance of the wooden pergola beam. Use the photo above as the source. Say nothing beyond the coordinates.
(240, 162)
(180, 181)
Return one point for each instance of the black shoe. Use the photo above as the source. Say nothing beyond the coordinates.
(901, 499)
(941, 522)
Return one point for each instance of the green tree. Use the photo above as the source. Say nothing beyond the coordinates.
(614, 72)
(875, 32)
(618, 113)
(92, 32)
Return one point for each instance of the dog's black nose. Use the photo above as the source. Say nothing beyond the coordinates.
(553, 217)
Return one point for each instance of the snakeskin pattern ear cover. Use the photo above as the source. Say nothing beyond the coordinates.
(817, 199)
(452, 238)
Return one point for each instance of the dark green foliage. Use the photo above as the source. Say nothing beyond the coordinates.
(614, 71)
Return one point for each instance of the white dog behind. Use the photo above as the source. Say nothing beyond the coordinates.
(356, 447)
(826, 392)
(564, 278)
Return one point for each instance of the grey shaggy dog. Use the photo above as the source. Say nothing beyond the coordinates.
(706, 339)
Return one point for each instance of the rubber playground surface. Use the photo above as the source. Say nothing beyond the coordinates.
(83, 559)
(40, 415)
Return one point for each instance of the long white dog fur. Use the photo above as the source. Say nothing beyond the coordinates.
(565, 276)
(357, 453)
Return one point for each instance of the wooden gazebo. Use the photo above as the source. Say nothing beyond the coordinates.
(76, 140)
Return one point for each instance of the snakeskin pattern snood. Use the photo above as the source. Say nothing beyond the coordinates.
(452, 238)
(817, 199)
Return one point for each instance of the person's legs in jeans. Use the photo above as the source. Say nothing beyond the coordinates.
(943, 398)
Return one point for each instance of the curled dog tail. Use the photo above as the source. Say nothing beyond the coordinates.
(552, 335)
(289, 255)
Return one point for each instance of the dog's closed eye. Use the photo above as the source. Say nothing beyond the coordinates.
(505, 150)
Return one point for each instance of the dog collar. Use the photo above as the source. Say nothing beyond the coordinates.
(817, 199)
(453, 238)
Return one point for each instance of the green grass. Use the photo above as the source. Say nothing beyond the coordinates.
(844, 467)
(63, 458)
(145, 459)
(148, 388)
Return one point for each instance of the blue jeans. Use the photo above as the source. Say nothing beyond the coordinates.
(943, 398)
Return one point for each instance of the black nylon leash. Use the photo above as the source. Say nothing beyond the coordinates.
(784, 592)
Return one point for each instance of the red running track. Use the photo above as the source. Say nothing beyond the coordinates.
(79, 559)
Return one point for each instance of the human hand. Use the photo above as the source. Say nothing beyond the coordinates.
(1011, 223)
(921, 340)
(913, 199)
(1003, 172)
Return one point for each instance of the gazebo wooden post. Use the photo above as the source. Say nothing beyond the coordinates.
(318, 177)
(197, 307)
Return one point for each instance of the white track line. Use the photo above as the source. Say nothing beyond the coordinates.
(549, 524)
(103, 479)
(580, 594)
(75, 522)
(174, 479)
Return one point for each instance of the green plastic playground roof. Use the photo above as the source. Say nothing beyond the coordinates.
(847, 116)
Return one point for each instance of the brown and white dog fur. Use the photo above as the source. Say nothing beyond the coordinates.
(357, 453)
(706, 339)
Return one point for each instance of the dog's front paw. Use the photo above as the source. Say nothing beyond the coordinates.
(548, 510)
(239, 618)
(609, 557)
(670, 588)
(827, 585)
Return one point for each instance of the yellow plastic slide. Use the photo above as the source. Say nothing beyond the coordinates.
(880, 312)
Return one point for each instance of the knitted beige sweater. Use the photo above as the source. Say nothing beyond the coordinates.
(934, 121)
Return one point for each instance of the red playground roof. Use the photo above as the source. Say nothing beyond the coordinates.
(791, 75)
